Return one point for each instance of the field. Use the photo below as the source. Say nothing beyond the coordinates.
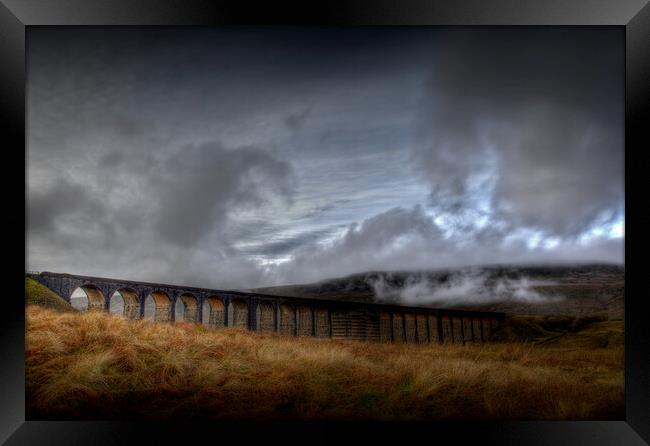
(101, 366)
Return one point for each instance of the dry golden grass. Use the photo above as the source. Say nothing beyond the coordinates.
(99, 366)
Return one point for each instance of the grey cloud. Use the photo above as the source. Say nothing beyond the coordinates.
(200, 185)
(111, 159)
(546, 109)
(287, 245)
(61, 198)
(154, 154)
(365, 246)
(408, 239)
(295, 121)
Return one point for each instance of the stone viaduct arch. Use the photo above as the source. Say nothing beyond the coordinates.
(266, 317)
(130, 302)
(282, 314)
(158, 306)
(238, 313)
(214, 312)
(186, 308)
(287, 319)
(95, 298)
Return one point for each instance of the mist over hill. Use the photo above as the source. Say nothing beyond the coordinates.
(577, 290)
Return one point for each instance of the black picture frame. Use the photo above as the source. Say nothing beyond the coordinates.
(633, 15)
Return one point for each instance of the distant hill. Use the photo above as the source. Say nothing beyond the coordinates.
(37, 294)
(575, 290)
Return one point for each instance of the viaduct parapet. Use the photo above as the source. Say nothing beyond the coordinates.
(270, 313)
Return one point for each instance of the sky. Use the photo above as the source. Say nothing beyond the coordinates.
(247, 157)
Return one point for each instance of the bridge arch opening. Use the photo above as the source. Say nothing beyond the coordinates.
(238, 313)
(158, 306)
(88, 298)
(186, 308)
(399, 334)
(214, 312)
(305, 321)
(287, 319)
(322, 319)
(265, 317)
(125, 302)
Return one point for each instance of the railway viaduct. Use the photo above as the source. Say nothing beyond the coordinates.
(290, 315)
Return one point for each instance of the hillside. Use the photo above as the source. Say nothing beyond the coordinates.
(37, 294)
(572, 290)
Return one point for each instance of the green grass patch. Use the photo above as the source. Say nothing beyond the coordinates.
(37, 294)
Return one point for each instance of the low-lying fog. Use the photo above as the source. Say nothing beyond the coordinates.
(465, 287)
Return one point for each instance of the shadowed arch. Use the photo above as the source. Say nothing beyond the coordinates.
(287, 322)
(467, 329)
(214, 312)
(398, 328)
(445, 322)
(322, 323)
(88, 297)
(187, 308)
(409, 327)
(476, 329)
(238, 313)
(457, 329)
(265, 317)
(385, 333)
(305, 322)
(125, 301)
(422, 328)
(432, 321)
(158, 306)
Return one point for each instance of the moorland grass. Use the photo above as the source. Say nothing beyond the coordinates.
(102, 366)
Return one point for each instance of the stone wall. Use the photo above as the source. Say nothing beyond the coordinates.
(357, 325)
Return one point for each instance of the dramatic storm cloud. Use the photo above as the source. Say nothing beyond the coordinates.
(240, 157)
(537, 120)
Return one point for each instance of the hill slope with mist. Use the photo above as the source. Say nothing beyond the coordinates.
(576, 290)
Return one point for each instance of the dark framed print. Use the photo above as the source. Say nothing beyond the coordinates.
(314, 222)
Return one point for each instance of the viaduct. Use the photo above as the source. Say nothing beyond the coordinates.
(290, 315)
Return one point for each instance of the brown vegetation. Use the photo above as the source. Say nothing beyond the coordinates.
(101, 366)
